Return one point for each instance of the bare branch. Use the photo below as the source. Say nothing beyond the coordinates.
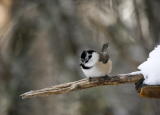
(85, 83)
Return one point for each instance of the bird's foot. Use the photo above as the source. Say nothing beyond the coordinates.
(105, 77)
(102, 78)
(91, 79)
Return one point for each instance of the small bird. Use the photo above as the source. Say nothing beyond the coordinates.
(95, 64)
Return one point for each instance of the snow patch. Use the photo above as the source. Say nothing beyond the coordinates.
(132, 73)
(151, 68)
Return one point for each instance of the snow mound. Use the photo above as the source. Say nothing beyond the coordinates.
(151, 68)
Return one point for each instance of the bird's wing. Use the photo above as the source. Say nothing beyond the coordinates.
(104, 57)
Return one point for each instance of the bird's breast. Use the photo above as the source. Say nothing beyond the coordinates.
(100, 69)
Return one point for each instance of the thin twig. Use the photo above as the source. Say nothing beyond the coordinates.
(85, 83)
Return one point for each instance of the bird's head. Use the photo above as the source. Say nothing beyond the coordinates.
(89, 58)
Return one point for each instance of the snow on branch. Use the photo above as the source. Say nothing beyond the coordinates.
(84, 84)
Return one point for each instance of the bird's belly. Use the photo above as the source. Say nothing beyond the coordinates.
(93, 72)
(98, 70)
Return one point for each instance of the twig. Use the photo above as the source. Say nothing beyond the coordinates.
(85, 83)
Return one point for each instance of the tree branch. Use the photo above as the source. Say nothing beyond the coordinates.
(84, 84)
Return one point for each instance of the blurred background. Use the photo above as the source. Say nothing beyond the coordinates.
(40, 45)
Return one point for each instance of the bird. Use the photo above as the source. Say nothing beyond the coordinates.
(95, 64)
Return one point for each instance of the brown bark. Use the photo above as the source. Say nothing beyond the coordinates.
(84, 83)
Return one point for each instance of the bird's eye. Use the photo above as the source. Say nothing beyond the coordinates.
(90, 56)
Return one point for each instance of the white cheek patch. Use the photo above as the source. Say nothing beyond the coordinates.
(93, 60)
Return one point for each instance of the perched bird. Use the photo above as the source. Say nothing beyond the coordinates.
(95, 64)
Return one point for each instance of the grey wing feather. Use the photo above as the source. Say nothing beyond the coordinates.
(105, 47)
(104, 57)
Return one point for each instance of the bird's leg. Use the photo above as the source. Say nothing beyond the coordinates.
(105, 77)
(102, 78)
(91, 79)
